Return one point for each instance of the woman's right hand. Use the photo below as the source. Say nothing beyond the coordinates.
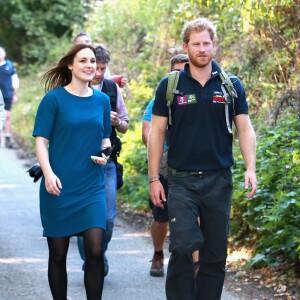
(53, 184)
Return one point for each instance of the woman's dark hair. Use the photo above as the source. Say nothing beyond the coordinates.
(61, 75)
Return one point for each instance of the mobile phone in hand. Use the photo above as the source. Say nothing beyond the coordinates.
(107, 151)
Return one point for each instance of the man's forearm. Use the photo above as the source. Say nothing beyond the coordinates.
(145, 131)
(155, 151)
(247, 141)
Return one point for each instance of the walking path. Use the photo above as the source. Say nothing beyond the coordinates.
(23, 250)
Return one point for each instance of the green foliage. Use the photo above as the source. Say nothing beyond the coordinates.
(38, 25)
(134, 159)
(139, 96)
(139, 31)
(271, 219)
(267, 58)
(23, 113)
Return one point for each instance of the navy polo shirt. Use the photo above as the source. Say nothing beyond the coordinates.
(6, 71)
(199, 139)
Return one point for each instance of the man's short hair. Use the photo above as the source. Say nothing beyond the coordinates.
(198, 25)
(102, 55)
(81, 34)
(178, 59)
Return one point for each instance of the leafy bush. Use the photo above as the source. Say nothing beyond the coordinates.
(23, 113)
(31, 28)
(270, 221)
(134, 159)
(139, 97)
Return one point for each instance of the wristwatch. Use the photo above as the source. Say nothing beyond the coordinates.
(119, 124)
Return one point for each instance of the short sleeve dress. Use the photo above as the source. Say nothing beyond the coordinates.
(75, 127)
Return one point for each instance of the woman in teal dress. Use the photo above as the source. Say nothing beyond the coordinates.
(72, 124)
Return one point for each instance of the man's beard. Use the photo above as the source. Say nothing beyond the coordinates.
(195, 61)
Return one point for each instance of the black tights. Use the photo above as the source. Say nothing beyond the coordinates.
(94, 270)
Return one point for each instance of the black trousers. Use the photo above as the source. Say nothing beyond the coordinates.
(208, 196)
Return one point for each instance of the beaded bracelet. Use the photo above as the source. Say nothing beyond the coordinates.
(150, 181)
(153, 177)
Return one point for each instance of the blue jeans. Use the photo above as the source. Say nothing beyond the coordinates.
(111, 206)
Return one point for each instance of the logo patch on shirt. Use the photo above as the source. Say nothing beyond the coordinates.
(186, 99)
(182, 100)
(192, 99)
(218, 98)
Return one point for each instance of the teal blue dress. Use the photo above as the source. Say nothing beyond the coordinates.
(75, 127)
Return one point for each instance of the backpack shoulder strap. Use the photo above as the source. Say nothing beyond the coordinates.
(228, 84)
(110, 88)
(173, 78)
(229, 94)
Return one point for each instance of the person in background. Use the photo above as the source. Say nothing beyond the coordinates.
(199, 160)
(82, 38)
(85, 38)
(9, 85)
(159, 224)
(119, 122)
(72, 124)
(2, 112)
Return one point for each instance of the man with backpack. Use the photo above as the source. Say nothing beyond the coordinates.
(199, 159)
(159, 224)
(119, 122)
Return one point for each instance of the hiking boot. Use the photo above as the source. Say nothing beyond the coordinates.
(157, 267)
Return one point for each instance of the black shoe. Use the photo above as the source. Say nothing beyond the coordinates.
(8, 143)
